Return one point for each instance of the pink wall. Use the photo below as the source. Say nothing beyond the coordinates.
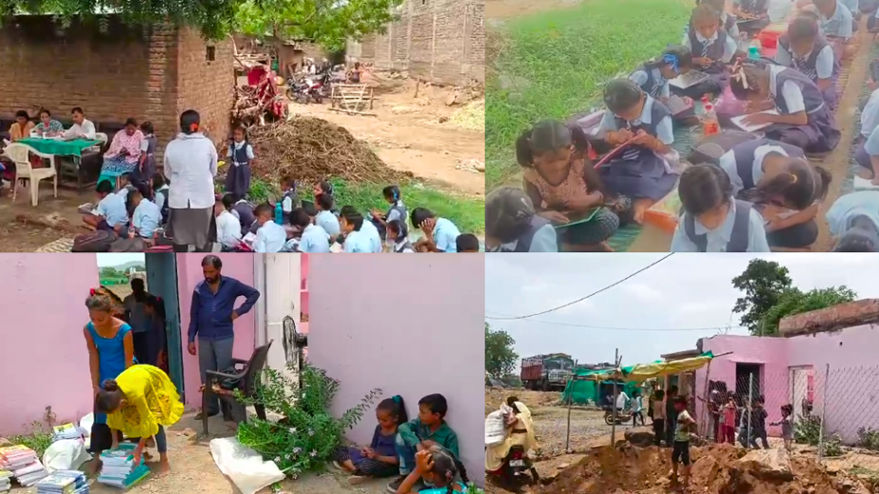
(411, 325)
(44, 358)
(189, 274)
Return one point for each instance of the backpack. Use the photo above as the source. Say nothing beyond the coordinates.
(165, 208)
(709, 149)
(96, 241)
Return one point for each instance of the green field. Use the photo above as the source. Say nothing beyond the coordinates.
(552, 65)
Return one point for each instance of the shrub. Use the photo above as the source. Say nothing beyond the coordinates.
(807, 430)
(868, 438)
(833, 446)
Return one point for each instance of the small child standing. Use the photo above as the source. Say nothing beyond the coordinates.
(240, 156)
(681, 450)
(658, 416)
(787, 425)
(758, 424)
(637, 408)
(290, 200)
(729, 421)
(379, 459)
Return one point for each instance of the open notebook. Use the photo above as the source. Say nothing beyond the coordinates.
(737, 121)
(688, 80)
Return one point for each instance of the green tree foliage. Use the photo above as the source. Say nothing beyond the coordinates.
(500, 359)
(325, 22)
(794, 301)
(763, 283)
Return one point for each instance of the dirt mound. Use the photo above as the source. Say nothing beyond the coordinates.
(312, 149)
(716, 468)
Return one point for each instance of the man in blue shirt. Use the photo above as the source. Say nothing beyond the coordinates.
(210, 319)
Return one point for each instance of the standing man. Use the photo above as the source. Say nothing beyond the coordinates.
(141, 323)
(211, 318)
(191, 165)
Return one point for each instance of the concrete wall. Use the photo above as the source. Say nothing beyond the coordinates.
(44, 358)
(189, 274)
(441, 41)
(402, 317)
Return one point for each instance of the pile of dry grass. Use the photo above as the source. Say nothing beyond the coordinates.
(311, 149)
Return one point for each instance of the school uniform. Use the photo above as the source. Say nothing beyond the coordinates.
(649, 78)
(862, 203)
(397, 211)
(720, 48)
(146, 218)
(328, 221)
(240, 155)
(730, 25)
(160, 197)
(869, 122)
(246, 218)
(793, 92)
(112, 208)
(371, 233)
(445, 235)
(540, 236)
(820, 63)
(403, 246)
(638, 172)
(756, 8)
(840, 24)
(228, 231)
(314, 240)
(141, 175)
(741, 231)
(270, 237)
(288, 202)
(356, 242)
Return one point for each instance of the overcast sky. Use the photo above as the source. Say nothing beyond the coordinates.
(684, 291)
(118, 258)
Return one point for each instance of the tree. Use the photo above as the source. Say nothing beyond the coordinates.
(794, 301)
(328, 23)
(763, 283)
(500, 358)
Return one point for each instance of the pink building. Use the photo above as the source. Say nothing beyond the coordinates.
(825, 357)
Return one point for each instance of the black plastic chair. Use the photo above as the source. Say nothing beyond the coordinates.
(244, 378)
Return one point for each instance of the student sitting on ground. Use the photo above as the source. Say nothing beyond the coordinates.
(803, 119)
(325, 217)
(143, 173)
(367, 231)
(146, 218)
(467, 242)
(440, 234)
(867, 156)
(728, 21)
(713, 221)
(246, 217)
(511, 225)
(753, 14)
(325, 188)
(398, 237)
(228, 226)
(712, 49)
(351, 224)
(644, 169)
(396, 211)
(110, 213)
(653, 76)
(784, 188)
(270, 236)
(160, 195)
(836, 20)
(853, 221)
(803, 49)
(439, 468)
(290, 198)
(313, 238)
(379, 459)
(422, 433)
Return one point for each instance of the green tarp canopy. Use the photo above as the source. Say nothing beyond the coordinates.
(581, 392)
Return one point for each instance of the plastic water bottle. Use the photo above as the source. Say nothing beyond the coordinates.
(710, 126)
(279, 213)
(699, 106)
(753, 52)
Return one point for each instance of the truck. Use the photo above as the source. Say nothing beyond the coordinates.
(547, 372)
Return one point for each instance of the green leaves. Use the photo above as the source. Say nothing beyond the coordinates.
(500, 359)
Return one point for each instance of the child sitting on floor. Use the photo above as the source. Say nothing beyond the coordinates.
(753, 14)
(397, 210)
(436, 467)
(653, 76)
(370, 237)
(379, 459)
(805, 50)
(645, 169)
(713, 221)
(110, 213)
(270, 236)
(351, 224)
(853, 222)
(467, 242)
(712, 49)
(146, 218)
(803, 119)
(728, 21)
(228, 226)
(125, 186)
(145, 171)
(312, 238)
(160, 195)
(427, 430)
(511, 225)
(398, 237)
(440, 234)
(325, 217)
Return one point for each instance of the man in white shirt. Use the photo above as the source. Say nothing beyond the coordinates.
(191, 165)
(622, 399)
(81, 128)
(270, 237)
(228, 226)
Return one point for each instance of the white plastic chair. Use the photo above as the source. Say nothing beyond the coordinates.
(20, 155)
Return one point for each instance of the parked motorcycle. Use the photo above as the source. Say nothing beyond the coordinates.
(309, 89)
(517, 471)
(623, 416)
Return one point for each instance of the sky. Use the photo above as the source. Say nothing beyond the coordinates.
(118, 258)
(682, 292)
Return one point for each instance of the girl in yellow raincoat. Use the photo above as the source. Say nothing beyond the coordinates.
(141, 402)
(519, 432)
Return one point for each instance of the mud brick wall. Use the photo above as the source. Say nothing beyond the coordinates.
(832, 318)
(206, 86)
(441, 41)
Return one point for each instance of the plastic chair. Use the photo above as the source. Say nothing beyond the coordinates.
(20, 155)
(245, 379)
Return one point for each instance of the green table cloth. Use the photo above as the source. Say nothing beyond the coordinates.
(58, 147)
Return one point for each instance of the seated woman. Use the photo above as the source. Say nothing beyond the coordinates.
(805, 50)
(803, 119)
(563, 186)
(22, 127)
(783, 187)
(712, 49)
(124, 152)
(48, 126)
(643, 170)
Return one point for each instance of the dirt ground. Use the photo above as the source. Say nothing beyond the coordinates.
(193, 470)
(419, 134)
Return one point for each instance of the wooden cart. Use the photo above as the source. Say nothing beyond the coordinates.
(353, 99)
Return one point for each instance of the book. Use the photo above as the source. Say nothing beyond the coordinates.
(689, 79)
(589, 217)
(738, 122)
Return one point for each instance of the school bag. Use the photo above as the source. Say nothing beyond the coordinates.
(709, 149)
(96, 241)
(738, 241)
(165, 208)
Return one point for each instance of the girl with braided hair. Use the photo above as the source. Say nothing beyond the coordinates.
(436, 467)
(379, 459)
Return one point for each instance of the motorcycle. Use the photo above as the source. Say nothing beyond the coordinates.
(623, 416)
(517, 471)
(309, 89)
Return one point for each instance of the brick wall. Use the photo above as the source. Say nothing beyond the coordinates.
(441, 41)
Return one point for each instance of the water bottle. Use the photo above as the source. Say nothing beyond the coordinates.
(710, 126)
(279, 213)
(699, 106)
(754, 52)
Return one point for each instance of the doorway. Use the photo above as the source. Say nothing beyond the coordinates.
(802, 390)
(748, 381)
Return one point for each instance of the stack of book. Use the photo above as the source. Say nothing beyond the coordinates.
(24, 464)
(64, 482)
(66, 431)
(119, 469)
(5, 480)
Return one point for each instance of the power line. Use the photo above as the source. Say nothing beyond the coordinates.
(596, 292)
(620, 328)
